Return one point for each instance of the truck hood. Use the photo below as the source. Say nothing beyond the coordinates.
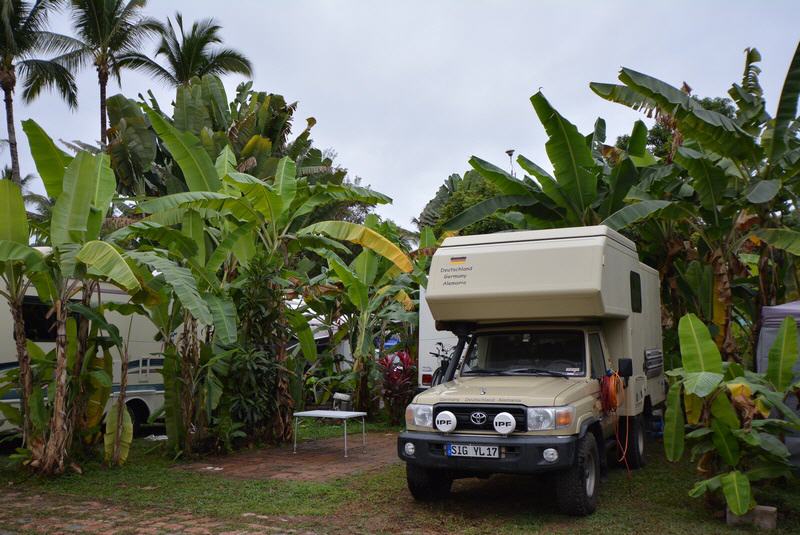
(525, 390)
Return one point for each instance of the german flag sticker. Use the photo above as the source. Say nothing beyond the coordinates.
(458, 259)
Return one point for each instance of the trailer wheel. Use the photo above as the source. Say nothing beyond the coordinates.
(633, 428)
(576, 487)
(427, 485)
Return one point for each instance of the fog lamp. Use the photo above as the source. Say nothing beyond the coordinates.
(409, 449)
(550, 455)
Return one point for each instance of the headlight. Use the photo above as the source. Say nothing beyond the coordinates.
(548, 418)
(419, 415)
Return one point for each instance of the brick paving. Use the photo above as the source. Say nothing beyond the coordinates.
(319, 460)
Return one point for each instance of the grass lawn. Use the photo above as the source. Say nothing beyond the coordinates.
(652, 500)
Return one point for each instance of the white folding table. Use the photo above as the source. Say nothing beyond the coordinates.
(337, 415)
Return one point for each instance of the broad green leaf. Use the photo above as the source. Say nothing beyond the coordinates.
(783, 355)
(787, 108)
(260, 195)
(285, 181)
(623, 176)
(693, 406)
(699, 353)
(198, 169)
(708, 180)
(304, 334)
(357, 292)
(354, 233)
(168, 202)
(16, 252)
(125, 437)
(722, 409)
(763, 191)
(485, 208)
(701, 384)
(624, 95)
(365, 266)
(226, 162)
(713, 130)
(223, 312)
(736, 488)
(163, 235)
(781, 238)
(725, 443)
(106, 261)
(228, 244)
(768, 471)
(51, 162)
(625, 217)
(180, 279)
(507, 184)
(85, 182)
(637, 143)
(674, 424)
(13, 217)
(773, 445)
(194, 228)
(570, 155)
(216, 100)
(707, 485)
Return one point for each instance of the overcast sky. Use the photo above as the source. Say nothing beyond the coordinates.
(405, 92)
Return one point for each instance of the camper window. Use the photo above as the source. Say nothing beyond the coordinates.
(636, 292)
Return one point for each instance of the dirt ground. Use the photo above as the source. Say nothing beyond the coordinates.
(318, 460)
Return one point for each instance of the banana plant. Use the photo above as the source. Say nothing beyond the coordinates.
(77, 260)
(590, 184)
(730, 414)
(738, 182)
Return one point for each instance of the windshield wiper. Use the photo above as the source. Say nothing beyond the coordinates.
(480, 371)
(538, 371)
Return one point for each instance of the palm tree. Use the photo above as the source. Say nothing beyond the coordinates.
(23, 35)
(190, 55)
(107, 30)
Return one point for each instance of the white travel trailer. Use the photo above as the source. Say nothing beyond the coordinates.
(145, 392)
(543, 319)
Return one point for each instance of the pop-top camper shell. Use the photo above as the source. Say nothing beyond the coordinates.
(582, 274)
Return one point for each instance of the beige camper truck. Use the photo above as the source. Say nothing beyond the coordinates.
(541, 317)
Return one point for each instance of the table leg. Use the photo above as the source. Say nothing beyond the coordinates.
(363, 436)
(294, 450)
(345, 438)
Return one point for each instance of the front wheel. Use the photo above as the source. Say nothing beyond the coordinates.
(631, 434)
(576, 487)
(427, 485)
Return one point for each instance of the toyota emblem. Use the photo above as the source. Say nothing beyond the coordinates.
(478, 418)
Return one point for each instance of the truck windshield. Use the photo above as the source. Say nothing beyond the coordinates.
(559, 353)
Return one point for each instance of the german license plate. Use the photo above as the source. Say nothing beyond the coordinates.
(471, 450)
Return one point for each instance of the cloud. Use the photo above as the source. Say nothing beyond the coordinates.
(405, 92)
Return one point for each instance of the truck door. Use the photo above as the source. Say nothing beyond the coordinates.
(600, 363)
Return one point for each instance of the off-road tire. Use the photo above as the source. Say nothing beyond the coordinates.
(634, 427)
(573, 485)
(427, 485)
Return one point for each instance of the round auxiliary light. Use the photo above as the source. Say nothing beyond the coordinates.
(409, 449)
(504, 423)
(445, 421)
(550, 455)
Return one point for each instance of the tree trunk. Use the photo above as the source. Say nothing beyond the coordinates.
(123, 386)
(55, 451)
(189, 361)
(8, 90)
(102, 76)
(361, 365)
(25, 374)
(79, 417)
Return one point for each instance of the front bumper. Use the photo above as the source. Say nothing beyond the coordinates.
(518, 454)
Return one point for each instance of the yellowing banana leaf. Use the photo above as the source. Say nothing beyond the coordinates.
(352, 232)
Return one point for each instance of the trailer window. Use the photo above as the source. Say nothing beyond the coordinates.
(533, 352)
(636, 292)
(38, 326)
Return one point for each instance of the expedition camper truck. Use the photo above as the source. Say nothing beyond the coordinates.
(541, 317)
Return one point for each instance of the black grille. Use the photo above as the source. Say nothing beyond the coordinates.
(464, 421)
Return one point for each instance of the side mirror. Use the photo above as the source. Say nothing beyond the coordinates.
(625, 368)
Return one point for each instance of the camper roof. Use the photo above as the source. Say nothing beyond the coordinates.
(538, 235)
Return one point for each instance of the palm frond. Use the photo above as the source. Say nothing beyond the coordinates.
(140, 62)
(228, 60)
(45, 74)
